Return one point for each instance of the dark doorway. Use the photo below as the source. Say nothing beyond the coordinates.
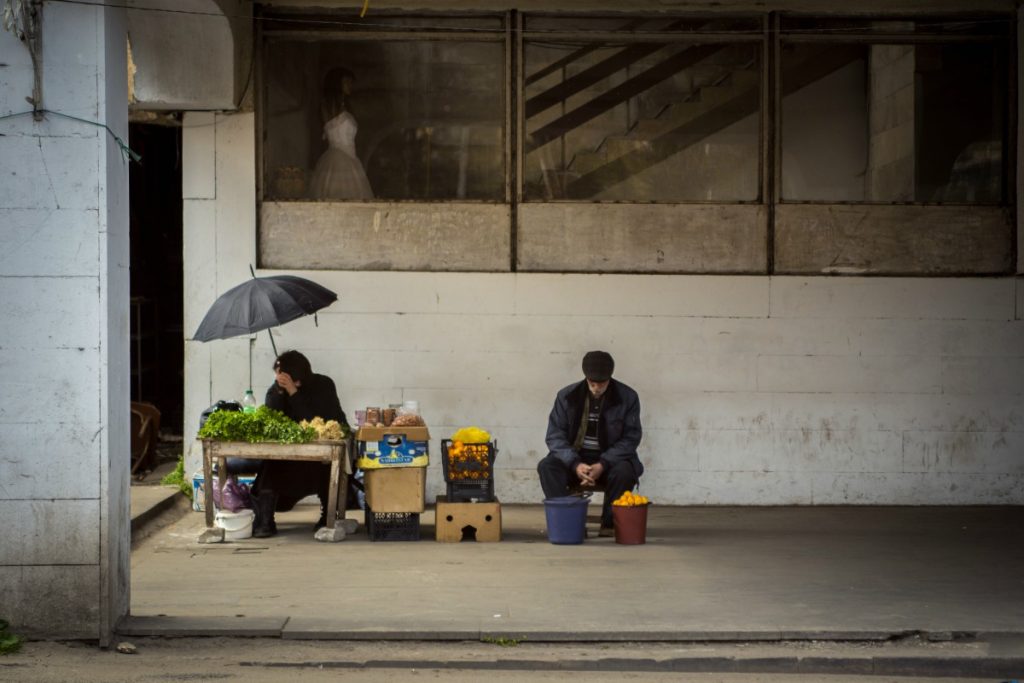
(157, 346)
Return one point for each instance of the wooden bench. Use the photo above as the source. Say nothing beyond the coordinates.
(337, 453)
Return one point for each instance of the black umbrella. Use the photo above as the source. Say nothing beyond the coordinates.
(261, 303)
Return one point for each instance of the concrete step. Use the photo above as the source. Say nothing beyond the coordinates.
(585, 162)
(708, 98)
(619, 145)
(149, 503)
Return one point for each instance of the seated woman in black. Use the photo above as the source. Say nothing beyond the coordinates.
(300, 394)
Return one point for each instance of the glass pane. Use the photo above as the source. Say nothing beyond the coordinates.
(893, 123)
(384, 119)
(642, 122)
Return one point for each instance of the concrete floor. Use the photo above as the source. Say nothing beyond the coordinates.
(706, 574)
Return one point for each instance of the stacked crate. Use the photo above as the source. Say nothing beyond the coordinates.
(470, 511)
(394, 462)
(469, 471)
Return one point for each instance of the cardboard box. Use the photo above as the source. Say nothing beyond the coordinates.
(457, 522)
(378, 433)
(396, 489)
(393, 447)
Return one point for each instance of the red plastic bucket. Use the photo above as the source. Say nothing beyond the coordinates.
(630, 524)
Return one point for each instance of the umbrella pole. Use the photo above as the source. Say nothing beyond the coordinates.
(272, 344)
(252, 343)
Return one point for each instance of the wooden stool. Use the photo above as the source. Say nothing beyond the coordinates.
(577, 488)
(455, 522)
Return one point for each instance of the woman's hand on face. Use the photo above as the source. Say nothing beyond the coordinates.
(285, 381)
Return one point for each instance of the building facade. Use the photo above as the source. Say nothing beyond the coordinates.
(795, 229)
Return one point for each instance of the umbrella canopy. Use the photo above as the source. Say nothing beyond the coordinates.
(261, 303)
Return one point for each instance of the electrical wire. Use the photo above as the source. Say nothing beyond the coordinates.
(126, 151)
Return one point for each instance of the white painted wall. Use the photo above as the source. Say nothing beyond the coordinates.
(755, 390)
(64, 446)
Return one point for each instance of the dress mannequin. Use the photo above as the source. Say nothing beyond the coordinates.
(338, 173)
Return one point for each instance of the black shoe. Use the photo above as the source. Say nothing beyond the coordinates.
(263, 526)
(264, 532)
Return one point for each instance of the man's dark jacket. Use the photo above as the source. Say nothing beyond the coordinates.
(618, 430)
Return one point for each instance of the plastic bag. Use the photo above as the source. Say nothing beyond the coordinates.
(233, 497)
(471, 435)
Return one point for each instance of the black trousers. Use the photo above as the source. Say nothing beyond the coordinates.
(556, 478)
(294, 480)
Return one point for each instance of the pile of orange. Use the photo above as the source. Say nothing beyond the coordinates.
(469, 461)
(630, 499)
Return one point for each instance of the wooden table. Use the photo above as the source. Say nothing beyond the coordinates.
(337, 453)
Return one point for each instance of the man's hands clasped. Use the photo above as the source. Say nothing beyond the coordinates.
(589, 474)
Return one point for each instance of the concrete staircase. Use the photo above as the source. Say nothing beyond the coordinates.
(705, 100)
(710, 88)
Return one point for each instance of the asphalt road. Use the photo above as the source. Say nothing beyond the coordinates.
(252, 660)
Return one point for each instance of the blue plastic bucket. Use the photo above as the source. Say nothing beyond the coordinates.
(567, 519)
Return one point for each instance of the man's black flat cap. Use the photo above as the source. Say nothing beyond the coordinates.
(598, 366)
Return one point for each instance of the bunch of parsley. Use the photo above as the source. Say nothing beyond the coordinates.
(264, 424)
(177, 478)
(9, 642)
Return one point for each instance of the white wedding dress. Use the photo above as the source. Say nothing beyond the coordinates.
(339, 173)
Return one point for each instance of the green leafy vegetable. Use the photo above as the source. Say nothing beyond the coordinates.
(264, 424)
(9, 642)
(177, 478)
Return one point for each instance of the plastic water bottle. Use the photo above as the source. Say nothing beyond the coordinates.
(248, 402)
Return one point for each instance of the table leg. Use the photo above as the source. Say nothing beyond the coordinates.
(348, 525)
(211, 534)
(335, 529)
(342, 494)
(332, 510)
(208, 486)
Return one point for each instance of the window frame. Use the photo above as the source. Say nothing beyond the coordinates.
(772, 217)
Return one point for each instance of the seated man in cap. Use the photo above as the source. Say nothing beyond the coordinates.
(593, 433)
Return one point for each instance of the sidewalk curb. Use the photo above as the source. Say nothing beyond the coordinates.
(1004, 666)
(300, 628)
(159, 500)
(939, 667)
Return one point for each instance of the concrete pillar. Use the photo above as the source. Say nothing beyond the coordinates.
(890, 174)
(64, 369)
(1020, 159)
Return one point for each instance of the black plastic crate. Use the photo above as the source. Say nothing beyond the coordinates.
(472, 469)
(392, 526)
(479, 490)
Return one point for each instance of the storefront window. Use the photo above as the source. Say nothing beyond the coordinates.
(387, 119)
(894, 122)
(727, 141)
(641, 120)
